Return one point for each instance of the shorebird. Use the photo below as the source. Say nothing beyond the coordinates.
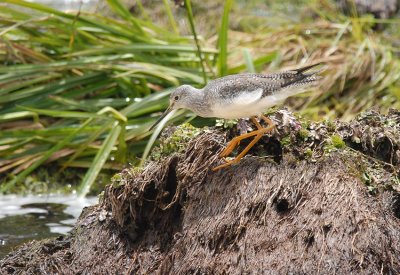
(245, 95)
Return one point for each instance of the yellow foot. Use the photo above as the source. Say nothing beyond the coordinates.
(236, 140)
(228, 163)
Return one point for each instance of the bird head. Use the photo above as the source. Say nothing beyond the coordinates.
(177, 100)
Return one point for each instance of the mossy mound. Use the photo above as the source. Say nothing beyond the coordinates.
(303, 205)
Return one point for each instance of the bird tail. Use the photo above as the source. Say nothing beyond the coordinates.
(301, 79)
(306, 68)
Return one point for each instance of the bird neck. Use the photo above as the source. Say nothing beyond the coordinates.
(195, 94)
(196, 103)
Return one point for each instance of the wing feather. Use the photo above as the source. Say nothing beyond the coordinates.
(246, 98)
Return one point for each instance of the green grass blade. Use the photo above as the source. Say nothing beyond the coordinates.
(17, 115)
(122, 11)
(95, 135)
(223, 40)
(99, 160)
(249, 61)
(192, 27)
(111, 28)
(157, 132)
(64, 114)
(170, 17)
(45, 156)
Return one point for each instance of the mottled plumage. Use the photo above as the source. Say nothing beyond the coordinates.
(241, 95)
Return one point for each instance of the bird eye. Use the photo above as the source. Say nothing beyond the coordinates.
(176, 97)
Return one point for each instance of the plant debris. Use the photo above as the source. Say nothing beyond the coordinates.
(328, 201)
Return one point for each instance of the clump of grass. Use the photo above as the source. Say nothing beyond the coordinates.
(75, 88)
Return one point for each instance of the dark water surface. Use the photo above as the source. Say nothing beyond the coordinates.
(23, 219)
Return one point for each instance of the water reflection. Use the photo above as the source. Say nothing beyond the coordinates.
(37, 217)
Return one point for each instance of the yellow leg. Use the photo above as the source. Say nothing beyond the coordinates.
(267, 120)
(255, 121)
(235, 141)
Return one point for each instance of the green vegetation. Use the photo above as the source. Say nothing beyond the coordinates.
(337, 142)
(334, 143)
(81, 89)
(77, 88)
(176, 142)
(304, 134)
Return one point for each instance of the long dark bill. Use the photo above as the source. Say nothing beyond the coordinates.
(161, 117)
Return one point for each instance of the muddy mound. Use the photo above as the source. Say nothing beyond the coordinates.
(323, 200)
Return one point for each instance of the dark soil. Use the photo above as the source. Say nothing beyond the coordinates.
(323, 198)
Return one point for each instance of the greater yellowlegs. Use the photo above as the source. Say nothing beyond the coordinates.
(242, 96)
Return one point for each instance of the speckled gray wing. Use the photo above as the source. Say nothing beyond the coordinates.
(230, 86)
(234, 85)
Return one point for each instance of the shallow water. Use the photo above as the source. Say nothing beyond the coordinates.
(37, 217)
